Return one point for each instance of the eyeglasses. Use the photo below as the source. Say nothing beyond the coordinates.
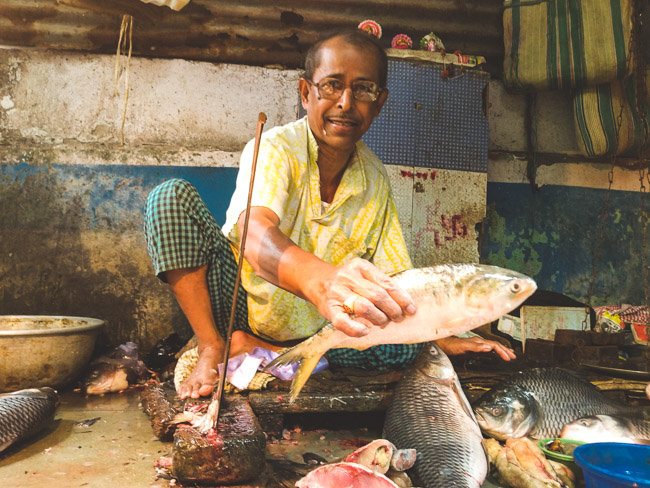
(332, 89)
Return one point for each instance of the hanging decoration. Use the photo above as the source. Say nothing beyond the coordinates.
(172, 4)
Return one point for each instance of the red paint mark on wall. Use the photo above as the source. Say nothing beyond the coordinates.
(455, 226)
(441, 228)
(422, 175)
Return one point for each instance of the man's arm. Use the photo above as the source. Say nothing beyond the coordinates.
(280, 261)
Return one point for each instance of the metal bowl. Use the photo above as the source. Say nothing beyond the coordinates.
(44, 350)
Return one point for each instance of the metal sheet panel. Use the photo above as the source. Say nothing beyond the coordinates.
(432, 121)
(246, 32)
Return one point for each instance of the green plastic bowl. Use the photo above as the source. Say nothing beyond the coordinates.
(565, 459)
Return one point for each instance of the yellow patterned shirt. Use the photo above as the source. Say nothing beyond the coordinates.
(361, 221)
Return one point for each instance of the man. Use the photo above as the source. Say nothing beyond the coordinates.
(323, 235)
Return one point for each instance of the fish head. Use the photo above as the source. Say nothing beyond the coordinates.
(105, 378)
(434, 363)
(595, 428)
(507, 413)
(493, 292)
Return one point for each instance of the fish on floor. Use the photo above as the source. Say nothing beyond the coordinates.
(24, 413)
(381, 455)
(115, 371)
(451, 299)
(539, 402)
(430, 413)
(608, 428)
(345, 474)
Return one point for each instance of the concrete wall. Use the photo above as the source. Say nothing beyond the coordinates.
(553, 230)
(71, 194)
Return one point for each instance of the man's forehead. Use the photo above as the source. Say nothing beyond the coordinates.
(336, 60)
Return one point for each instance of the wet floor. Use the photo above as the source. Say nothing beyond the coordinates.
(120, 449)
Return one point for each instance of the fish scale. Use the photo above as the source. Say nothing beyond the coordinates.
(24, 413)
(430, 413)
(554, 397)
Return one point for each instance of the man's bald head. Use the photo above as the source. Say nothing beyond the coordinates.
(357, 39)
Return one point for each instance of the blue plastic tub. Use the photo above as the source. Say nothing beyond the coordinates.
(614, 465)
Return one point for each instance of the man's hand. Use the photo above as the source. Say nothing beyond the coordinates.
(458, 345)
(358, 295)
(353, 296)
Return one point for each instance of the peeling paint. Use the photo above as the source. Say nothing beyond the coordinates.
(553, 235)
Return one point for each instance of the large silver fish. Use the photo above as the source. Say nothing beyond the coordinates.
(451, 299)
(430, 413)
(538, 402)
(24, 413)
(608, 428)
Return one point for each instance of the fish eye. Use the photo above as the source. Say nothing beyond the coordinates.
(497, 411)
(515, 287)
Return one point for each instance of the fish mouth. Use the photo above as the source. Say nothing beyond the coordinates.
(480, 418)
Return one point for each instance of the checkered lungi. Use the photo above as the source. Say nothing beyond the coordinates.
(182, 233)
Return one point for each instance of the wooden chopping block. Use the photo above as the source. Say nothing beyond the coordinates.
(162, 412)
(234, 454)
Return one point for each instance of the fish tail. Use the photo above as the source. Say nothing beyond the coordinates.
(307, 354)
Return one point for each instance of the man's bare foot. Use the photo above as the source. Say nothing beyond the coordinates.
(205, 375)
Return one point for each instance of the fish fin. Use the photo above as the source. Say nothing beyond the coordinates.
(307, 353)
(307, 365)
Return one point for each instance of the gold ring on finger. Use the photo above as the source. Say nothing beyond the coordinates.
(348, 305)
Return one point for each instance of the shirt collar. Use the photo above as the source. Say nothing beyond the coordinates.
(352, 183)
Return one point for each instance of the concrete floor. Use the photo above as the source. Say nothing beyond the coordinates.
(121, 450)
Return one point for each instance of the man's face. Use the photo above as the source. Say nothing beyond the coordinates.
(341, 123)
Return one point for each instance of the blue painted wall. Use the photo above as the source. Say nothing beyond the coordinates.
(552, 235)
(71, 243)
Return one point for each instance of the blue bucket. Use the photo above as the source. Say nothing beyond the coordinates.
(614, 465)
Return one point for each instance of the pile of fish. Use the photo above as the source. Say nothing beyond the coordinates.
(25, 413)
(545, 403)
(430, 413)
(378, 464)
(539, 402)
(451, 299)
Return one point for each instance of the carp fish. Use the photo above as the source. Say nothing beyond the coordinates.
(538, 402)
(451, 299)
(24, 413)
(608, 428)
(430, 413)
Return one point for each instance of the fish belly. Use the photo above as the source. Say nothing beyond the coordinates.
(431, 322)
(428, 417)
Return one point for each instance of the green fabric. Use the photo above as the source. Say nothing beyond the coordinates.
(607, 122)
(558, 44)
